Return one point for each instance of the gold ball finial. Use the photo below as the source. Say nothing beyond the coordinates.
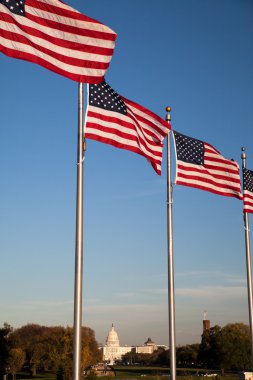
(168, 109)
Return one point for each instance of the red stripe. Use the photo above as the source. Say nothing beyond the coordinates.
(35, 59)
(110, 119)
(141, 128)
(68, 28)
(126, 147)
(48, 7)
(120, 123)
(117, 133)
(218, 157)
(149, 113)
(57, 41)
(248, 210)
(71, 14)
(231, 165)
(63, 58)
(210, 148)
(220, 168)
(209, 189)
(248, 202)
(148, 128)
(203, 171)
(208, 181)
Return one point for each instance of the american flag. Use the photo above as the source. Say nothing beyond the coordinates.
(115, 120)
(57, 37)
(201, 166)
(247, 190)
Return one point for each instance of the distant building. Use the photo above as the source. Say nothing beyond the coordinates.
(206, 322)
(112, 350)
(148, 348)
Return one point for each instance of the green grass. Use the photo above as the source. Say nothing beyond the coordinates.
(141, 373)
(149, 377)
(26, 376)
(159, 373)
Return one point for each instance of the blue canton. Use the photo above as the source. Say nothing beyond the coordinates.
(103, 96)
(248, 180)
(189, 150)
(15, 6)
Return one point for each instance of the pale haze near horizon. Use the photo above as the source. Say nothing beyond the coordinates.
(193, 55)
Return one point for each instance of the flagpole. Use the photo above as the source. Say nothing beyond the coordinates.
(171, 299)
(248, 264)
(79, 242)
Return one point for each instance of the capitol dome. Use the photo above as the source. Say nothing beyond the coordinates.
(112, 338)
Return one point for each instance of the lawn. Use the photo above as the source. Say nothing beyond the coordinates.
(142, 373)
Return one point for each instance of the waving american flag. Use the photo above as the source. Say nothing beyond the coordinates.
(202, 166)
(115, 120)
(248, 190)
(57, 37)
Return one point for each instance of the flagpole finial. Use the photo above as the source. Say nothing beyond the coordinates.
(168, 110)
(243, 156)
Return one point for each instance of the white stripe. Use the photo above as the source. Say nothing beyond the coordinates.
(150, 118)
(58, 49)
(145, 127)
(81, 24)
(57, 63)
(225, 163)
(121, 140)
(207, 186)
(57, 33)
(125, 118)
(116, 125)
(108, 113)
(56, 3)
(248, 197)
(142, 128)
(208, 177)
(248, 208)
(213, 171)
(248, 194)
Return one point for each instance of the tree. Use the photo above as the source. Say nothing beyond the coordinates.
(158, 357)
(187, 355)
(15, 361)
(227, 348)
(50, 348)
(4, 348)
(210, 348)
(236, 347)
(30, 338)
(90, 351)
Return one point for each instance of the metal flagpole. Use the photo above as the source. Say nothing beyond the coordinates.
(79, 242)
(171, 300)
(248, 264)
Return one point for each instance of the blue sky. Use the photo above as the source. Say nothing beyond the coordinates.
(193, 55)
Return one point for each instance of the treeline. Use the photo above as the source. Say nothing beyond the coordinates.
(225, 348)
(40, 348)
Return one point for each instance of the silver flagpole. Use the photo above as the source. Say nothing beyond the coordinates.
(248, 264)
(79, 242)
(171, 300)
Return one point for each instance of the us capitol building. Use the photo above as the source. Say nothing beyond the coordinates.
(113, 351)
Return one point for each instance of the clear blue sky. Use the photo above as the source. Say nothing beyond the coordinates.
(193, 55)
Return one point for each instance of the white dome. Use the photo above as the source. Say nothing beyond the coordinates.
(112, 338)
